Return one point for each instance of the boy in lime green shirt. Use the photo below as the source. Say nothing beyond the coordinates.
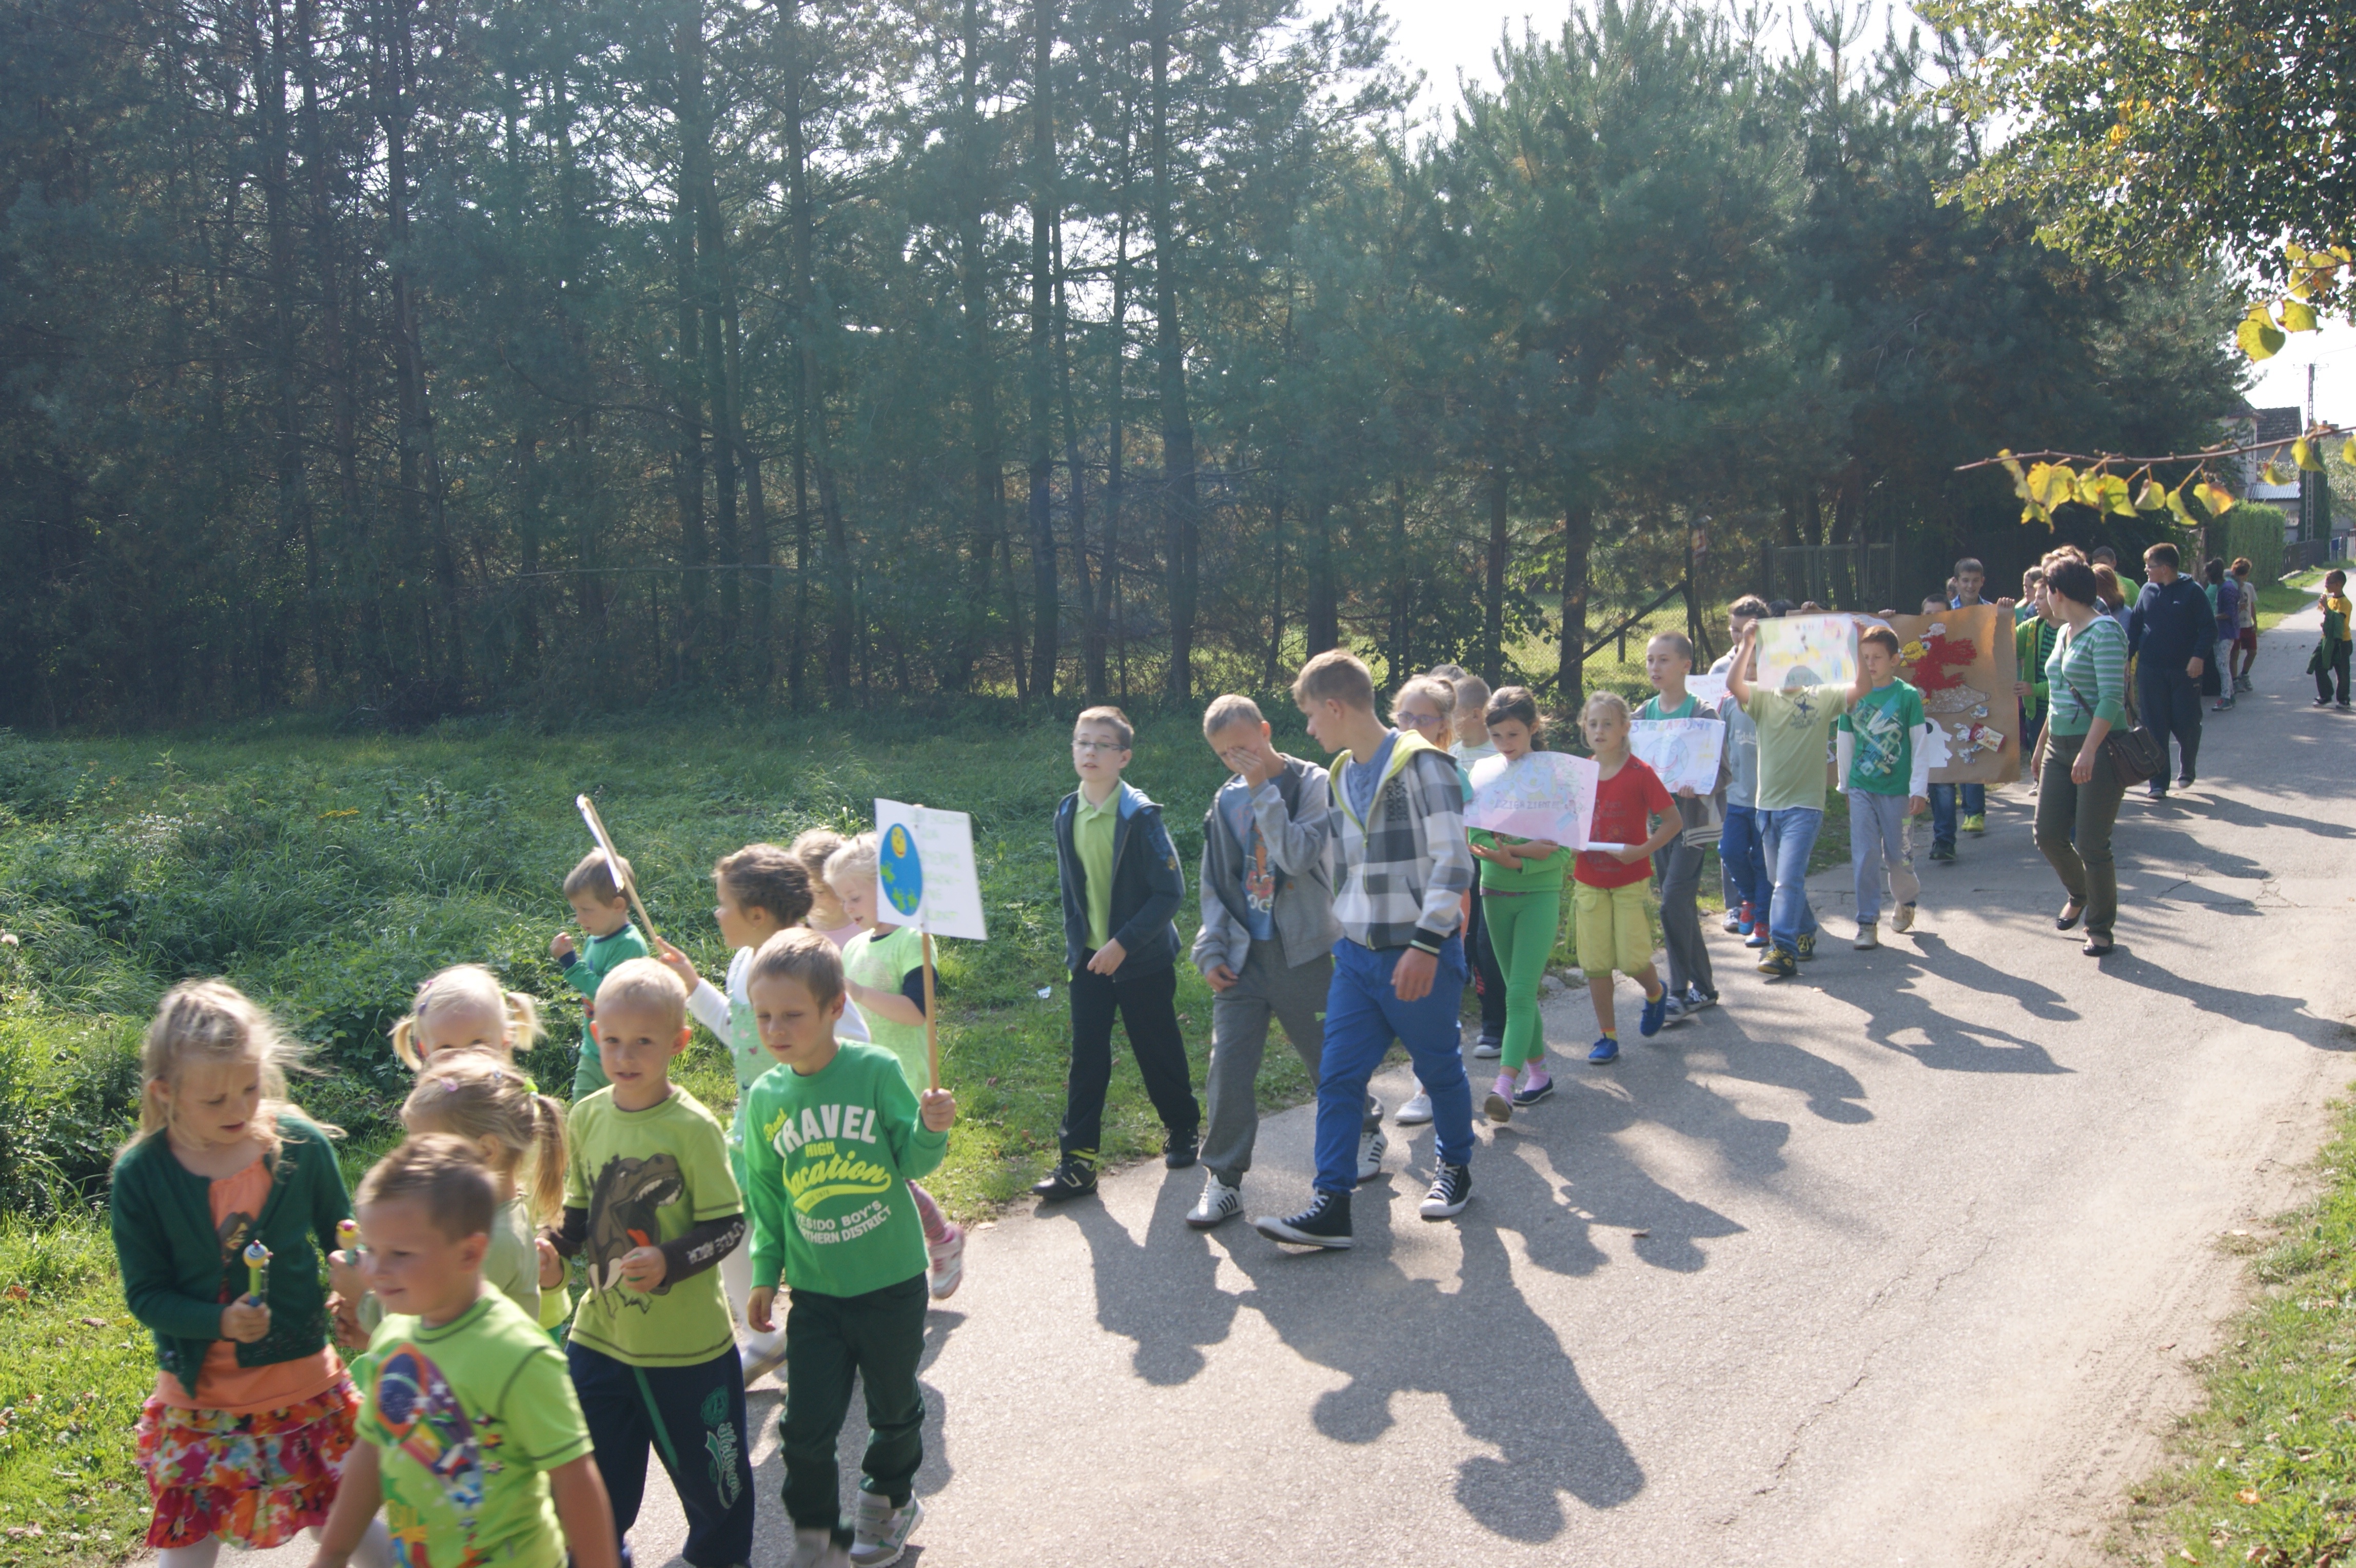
(835, 1135)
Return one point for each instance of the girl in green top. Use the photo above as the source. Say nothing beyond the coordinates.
(2078, 792)
(1521, 900)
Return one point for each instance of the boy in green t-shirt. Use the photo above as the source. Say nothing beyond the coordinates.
(470, 1437)
(1886, 775)
(835, 1135)
(649, 1200)
(603, 911)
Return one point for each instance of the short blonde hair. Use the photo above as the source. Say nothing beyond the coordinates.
(594, 876)
(1336, 675)
(1109, 718)
(211, 1023)
(1610, 701)
(643, 983)
(803, 956)
(1436, 687)
(440, 1170)
(1226, 712)
(475, 1095)
(853, 860)
(465, 985)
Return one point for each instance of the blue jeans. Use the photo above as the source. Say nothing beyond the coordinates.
(1791, 834)
(1743, 853)
(2168, 702)
(1942, 809)
(1362, 1015)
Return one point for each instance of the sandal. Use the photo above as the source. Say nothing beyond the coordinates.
(2072, 913)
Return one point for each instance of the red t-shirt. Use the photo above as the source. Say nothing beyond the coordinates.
(1624, 805)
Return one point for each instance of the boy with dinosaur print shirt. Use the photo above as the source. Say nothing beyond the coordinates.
(833, 1135)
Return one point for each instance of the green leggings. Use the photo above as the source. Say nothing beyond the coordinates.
(1522, 928)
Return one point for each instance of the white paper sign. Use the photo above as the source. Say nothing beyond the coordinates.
(925, 871)
(1684, 752)
(1544, 795)
(1709, 690)
(1807, 651)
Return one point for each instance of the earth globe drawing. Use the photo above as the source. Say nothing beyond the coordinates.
(900, 870)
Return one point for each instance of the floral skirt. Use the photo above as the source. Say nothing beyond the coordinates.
(256, 1481)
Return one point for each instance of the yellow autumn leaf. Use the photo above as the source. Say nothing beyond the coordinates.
(2298, 317)
(2258, 335)
(2302, 452)
(2217, 499)
(2153, 497)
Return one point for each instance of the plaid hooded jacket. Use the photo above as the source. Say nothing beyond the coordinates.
(1401, 876)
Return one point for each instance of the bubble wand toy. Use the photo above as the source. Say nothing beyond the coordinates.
(257, 1273)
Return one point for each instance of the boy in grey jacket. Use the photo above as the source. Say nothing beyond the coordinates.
(1266, 943)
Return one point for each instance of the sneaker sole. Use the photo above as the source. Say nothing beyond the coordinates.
(1404, 1120)
(895, 1553)
(1488, 1053)
(1278, 1231)
(1497, 1108)
(1444, 1210)
(1062, 1195)
(945, 1285)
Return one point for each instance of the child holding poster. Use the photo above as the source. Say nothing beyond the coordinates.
(1885, 770)
(1521, 899)
(1613, 924)
(1668, 660)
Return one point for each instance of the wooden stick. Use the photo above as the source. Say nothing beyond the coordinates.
(932, 1025)
(629, 880)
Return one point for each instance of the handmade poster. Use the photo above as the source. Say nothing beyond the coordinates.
(1709, 690)
(1807, 651)
(1684, 752)
(1964, 663)
(925, 871)
(1546, 795)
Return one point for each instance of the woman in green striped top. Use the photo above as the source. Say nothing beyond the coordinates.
(2078, 792)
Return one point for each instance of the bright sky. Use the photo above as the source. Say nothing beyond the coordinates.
(1445, 36)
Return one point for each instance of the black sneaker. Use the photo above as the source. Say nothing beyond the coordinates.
(1324, 1223)
(1449, 1193)
(1074, 1177)
(1179, 1149)
(1942, 852)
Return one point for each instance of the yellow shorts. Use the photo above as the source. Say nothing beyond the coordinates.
(1613, 926)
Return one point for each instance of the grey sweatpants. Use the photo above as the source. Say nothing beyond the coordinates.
(1294, 996)
(1681, 918)
(1880, 833)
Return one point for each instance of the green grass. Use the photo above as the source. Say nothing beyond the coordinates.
(2288, 598)
(74, 1371)
(2265, 1472)
(2313, 577)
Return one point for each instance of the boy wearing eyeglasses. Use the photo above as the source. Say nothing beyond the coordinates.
(1121, 889)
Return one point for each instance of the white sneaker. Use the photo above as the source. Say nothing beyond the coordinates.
(1868, 937)
(818, 1549)
(1734, 922)
(1416, 1112)
(880, 1531)
(761, 1354)
(945, 1263)
(1488, 1050)
(1218, 1204)
(1371, 1145)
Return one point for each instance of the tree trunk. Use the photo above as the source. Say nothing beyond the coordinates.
(989, 471)
(1492, 601)
(1577, 540)
(295, 520)
(1178, 495)
(1046, 612)
(1324, 627)
(1092, 641)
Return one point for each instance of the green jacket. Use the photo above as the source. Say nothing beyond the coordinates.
(2033, 643)
(174, 1275)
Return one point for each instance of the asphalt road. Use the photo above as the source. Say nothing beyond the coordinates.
(1902, 1262)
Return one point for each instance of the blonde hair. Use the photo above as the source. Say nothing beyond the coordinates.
(1228, 711)
(1109, 718)
(813, 847)
(475, 1095)
(1436, 687)
(466, 985)
(1612, 701)
(211, 1023)
(1335, 675)
(803, 956)
(643, 983)
(855, 857)
(440, 1171)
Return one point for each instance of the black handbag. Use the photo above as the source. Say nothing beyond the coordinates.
(2136, 754)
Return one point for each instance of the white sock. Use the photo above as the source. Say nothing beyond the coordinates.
(203, 1554)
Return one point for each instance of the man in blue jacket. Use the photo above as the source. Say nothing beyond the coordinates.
(1121, 887)
(2169, 633)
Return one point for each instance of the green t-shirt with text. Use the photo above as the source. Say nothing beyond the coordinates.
(470, 1417)
(1793, 725)
(647, 1176)
(884, 963)
(827, 1158)
(1884, 721)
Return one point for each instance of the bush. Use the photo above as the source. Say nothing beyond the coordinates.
(2255, 530)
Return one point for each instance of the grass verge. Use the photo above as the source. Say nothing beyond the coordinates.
(2265, 1472)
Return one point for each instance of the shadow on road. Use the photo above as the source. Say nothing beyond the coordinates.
(1951, 1044)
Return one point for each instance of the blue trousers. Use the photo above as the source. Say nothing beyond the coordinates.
(1744, 853)
(1363, 1014)
(694, 1417)
(2168, 702)
(1942, 809)
(1791, 834)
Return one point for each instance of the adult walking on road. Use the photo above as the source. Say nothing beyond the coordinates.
(2168, 634)
(2078, 790)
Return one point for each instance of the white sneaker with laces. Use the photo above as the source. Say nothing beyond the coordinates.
(1218, 1204)
(1371, 1145)
(1450, 1191)
(1417, 1111)
(878, 1533)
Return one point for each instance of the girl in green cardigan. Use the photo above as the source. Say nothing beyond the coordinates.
(221, 1209)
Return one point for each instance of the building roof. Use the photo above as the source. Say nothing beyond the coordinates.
(2279, 423)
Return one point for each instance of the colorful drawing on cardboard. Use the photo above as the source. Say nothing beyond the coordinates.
(1544, 795)
(1963, 662)
(1684, 752)
(1807, 651)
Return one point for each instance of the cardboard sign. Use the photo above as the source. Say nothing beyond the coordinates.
(1964, 664)
(1684, 752)
(925, 870)
(1546, 795)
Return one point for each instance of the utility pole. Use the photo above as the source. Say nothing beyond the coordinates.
(2306, 490)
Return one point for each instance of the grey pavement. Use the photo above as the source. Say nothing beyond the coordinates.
(1901, 1262)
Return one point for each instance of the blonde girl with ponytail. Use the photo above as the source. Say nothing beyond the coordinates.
(464, 1008)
